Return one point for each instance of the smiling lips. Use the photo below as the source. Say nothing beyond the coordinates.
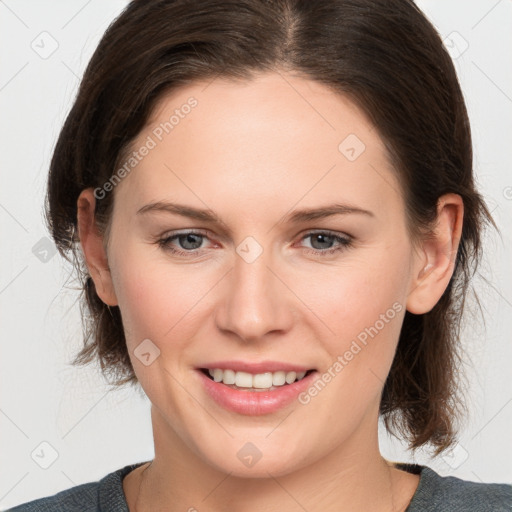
(255, 376)
(254, 388)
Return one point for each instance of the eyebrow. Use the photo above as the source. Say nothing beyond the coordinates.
(296, 216)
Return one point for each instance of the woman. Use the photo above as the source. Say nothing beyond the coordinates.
(275, 205)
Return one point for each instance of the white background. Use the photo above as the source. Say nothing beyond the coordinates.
(44, 399)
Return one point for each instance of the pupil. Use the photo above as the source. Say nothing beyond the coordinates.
(195, 240)
(325, 239)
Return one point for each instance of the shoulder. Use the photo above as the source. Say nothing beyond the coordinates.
(438, 493)
(104, 495)
(82, 497)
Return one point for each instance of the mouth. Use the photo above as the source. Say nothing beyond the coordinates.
(251, 393)
(259, 382)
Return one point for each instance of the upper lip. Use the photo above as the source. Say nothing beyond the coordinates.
(255, 368)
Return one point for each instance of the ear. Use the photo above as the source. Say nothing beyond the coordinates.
(92, 246)
(435, 260)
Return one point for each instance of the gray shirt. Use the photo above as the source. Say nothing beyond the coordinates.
(434, 494)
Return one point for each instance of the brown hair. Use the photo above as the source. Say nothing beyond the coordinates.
(384, 55)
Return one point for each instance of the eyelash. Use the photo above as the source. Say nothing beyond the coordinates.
(344, 243)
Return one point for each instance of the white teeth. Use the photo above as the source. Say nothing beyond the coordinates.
(278, 378)
(229, 377)
(259, 381)
(262, 380)
(290, 377)
(243, 379)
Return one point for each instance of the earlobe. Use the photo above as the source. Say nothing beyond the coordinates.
(435, 262)
(94, 252)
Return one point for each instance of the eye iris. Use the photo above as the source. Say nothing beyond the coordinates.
(323, 239)
(191, 238)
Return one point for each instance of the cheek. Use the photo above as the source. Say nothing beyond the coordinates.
(353, 295)
(157, 300)
(361, 305)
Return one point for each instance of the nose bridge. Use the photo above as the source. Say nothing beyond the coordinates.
(255, 301)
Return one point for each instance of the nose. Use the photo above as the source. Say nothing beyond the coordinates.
(255, 302)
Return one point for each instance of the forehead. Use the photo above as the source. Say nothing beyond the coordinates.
(277, 107)
(277, 137)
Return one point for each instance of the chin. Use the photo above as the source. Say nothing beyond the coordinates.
(246, 459)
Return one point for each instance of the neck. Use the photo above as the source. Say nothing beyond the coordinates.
(352, 477)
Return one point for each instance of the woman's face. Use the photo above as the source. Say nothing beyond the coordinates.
(261, 285)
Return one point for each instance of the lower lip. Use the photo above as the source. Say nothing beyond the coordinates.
(255, 403)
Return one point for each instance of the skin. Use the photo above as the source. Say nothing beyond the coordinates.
(252, 152)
